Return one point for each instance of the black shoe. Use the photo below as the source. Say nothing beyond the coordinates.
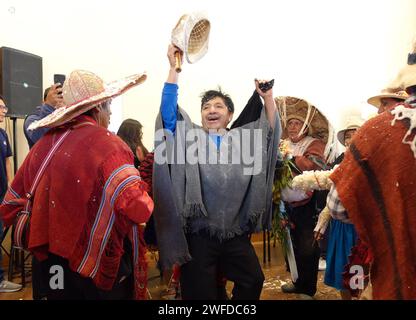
(289, 288)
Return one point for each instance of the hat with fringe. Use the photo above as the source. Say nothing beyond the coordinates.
(318, 125)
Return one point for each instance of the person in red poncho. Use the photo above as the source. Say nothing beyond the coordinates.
(89, 199)
(375, 187)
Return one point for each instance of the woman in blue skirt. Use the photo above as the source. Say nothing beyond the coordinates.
(342, 235)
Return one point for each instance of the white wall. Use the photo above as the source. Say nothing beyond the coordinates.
(333, 53)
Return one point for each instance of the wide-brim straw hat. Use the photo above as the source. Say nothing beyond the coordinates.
(83, 91)
(318, 125)
(407, 75)
(376, 100)
(191, 35)
(352, 123)
(405, 79)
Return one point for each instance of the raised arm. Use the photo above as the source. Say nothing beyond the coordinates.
(169, 104)
(269, 103)
(53, 101)
(173, 74)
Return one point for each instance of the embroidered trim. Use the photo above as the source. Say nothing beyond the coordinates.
(102, 224)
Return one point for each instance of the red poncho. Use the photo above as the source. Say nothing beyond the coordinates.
(376, 183)
(89, 199)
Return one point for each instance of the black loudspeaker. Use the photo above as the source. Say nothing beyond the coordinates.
(21, 81)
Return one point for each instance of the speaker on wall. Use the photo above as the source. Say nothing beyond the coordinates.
(21, 81)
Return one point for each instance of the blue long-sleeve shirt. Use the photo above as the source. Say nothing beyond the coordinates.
(32, 136)
(169, 106)
(169, 110)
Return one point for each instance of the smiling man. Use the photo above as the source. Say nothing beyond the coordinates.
(205, 211)
(217, 110)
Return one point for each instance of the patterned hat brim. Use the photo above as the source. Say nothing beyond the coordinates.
(65, 114)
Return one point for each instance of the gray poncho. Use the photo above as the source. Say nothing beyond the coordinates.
(225, 191)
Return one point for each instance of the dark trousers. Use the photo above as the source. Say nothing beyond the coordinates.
(40, 284)
(76, 287)
(323, 244)
(235, 259)
(306, 250)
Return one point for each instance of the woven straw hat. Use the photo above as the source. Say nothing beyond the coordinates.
(407, 75)
(295, 108)
(191, 35)
(82, 91)
(376, 100)
(318, 125)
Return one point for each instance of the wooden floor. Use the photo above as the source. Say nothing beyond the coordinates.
(274, 271)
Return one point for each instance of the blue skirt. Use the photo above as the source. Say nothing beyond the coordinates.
(342, 237)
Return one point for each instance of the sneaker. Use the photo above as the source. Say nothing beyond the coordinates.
(322, 264)
(7, 286)
(289, 288)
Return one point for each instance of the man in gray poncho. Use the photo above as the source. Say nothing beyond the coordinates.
(212, 189)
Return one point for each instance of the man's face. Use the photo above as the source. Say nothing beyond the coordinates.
(3, 110)
(348, 137)
(215, 114)
(387, 104)
(293, 128)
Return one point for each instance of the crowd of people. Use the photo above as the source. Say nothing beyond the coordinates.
(95, 200)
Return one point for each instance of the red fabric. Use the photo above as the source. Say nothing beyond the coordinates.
(141, 294)
(69, 195)
(382, 205)
(176, 273)
(315, 149)
(360, 256)
(146, 171)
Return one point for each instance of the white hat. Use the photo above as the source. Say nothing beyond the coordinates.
(376, 100)
(407, 75)
(191, 35)
(352, 123)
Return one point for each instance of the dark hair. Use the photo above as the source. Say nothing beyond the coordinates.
(211, 94)
(130, 132)
(411, 90)
(1, 98)
(45, 93)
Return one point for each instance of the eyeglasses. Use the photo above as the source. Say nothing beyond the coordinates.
(4, 108)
